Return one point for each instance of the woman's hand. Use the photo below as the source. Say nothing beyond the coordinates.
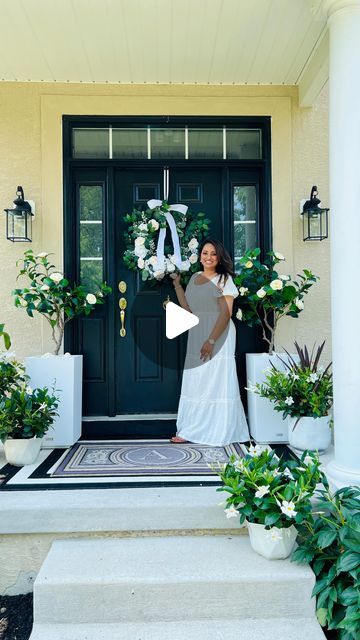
(206, 351)
(176, 278)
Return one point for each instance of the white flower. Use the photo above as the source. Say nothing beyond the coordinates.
(193, 244)
(284, 277)
(23, 302)
(308, 460)
(138, 241)
(256, 450)
(239, 464)
(248, 264)
(279, 256)
(56, 277)
(299, 303)
(239, 314)
(193, 258)
(159, 275)
(288, 474)
(261, 293)
(276, 284)
(140, 250)
(313, 377)
(185, 265)
(173, 259)
(295, 376)
(231, 512)
(288, 508)
(44, 287)
(141, 263)
(274, 534)
(262, 491)
(43, 254)
(276, 473)
(289, 401)
(143, 226)
(170, 267)
(243, 291)
(29, 390)
(154, 224)
(90, 298)
(152, 260)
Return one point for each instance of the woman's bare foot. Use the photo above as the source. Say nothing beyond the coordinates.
(177, 440)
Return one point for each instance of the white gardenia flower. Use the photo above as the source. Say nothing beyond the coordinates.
(261, 293)
(140, 251)
(143, 226)
(141, 263)
(239, 314)
(288, 508)
(193, 258)
(43, 254)
(154, 224)
(231, 512)
(139, 241)
(262, 491)
(193, 244)
(279, 256)
(56, 277)
(243, 291)
(289, 401)
(170, 267)
(44, 287)
(299, 303)
(90, 298)
(276, 284)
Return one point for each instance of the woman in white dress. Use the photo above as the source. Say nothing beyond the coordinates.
(210, 408)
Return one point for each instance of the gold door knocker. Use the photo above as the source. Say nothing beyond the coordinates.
(122, 305)
(166, 302)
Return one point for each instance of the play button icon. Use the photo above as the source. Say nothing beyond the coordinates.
(178, 320)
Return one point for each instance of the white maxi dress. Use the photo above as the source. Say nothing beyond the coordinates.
(210, 408)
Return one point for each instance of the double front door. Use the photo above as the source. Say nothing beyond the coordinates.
(140, 372)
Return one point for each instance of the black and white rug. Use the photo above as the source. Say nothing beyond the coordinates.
(141, 458)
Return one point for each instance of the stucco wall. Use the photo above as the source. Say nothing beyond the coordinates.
(30, 140)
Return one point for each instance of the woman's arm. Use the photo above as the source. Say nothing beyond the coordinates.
(180, 293)
(226, 305)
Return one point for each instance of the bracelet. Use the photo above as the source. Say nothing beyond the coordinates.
(178, 286)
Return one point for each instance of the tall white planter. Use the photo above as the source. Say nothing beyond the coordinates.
(266, 425)
(274, 543)
(20, 452)
(65, 374)
(310, 433)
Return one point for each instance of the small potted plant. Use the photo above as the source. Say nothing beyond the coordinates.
(51, 295)
(266, 296)
(303, 393)
(271, 495)
(331, 545)
(25, 416)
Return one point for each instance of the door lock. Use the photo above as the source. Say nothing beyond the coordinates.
(122, 305)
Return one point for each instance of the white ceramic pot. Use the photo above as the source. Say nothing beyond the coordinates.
(23, 451)
(310, 433)
(65, 374)
(274, 543)
(266, 425)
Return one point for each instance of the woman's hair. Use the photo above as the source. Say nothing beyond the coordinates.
(224, 266)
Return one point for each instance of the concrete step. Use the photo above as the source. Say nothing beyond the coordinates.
(158, 579)
(241, 629)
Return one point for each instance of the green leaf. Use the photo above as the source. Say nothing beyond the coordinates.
(321, 615)
(326, 537)
(348, 561)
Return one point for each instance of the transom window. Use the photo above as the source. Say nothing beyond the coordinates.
(162, 143)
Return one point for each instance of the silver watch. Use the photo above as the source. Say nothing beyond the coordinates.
(211, 340)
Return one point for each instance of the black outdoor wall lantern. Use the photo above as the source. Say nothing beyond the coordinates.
(19, 219)
(315, 218)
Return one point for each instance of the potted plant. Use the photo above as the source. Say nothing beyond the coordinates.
(331, 544)
(49, 293)
(271, 495)
(266, 296)
(25, 416)
(302, 392)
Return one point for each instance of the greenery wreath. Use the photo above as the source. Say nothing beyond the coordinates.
(148, 249)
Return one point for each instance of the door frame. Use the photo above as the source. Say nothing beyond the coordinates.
(109, 165)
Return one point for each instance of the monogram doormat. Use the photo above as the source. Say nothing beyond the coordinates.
(141, 458)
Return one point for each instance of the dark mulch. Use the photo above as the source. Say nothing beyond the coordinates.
(16, 617)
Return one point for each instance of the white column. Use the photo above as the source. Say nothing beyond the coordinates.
(344, 123)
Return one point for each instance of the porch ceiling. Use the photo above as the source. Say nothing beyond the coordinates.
(159, 41)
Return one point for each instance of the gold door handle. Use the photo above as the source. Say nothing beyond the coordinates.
(122, 286)
(122, 305)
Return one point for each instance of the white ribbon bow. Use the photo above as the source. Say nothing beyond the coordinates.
(180, 208)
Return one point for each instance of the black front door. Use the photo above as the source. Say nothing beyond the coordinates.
(141, 372)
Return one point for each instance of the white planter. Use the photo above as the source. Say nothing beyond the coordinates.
(266, 425)
(23, 451)
(310, 433)
(273, 548)
(65, 374)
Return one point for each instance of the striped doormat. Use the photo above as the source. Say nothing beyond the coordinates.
(141, 458)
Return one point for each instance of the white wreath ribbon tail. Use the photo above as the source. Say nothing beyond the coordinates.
(180, 208)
